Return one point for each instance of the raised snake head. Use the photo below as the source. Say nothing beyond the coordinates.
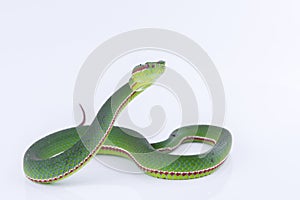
(145, 75)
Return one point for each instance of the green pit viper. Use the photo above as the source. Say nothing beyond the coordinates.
(62, 153)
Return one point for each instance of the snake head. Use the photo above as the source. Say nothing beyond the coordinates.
(143, 76)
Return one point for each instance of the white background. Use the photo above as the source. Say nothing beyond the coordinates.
(254, 44)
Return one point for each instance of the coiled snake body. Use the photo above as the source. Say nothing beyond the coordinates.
(60, 154)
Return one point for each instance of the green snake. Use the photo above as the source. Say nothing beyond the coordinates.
(62, 153)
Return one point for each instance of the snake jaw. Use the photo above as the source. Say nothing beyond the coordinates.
(138, 87)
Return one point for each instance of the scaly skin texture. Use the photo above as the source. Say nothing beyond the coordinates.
(60, 154)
